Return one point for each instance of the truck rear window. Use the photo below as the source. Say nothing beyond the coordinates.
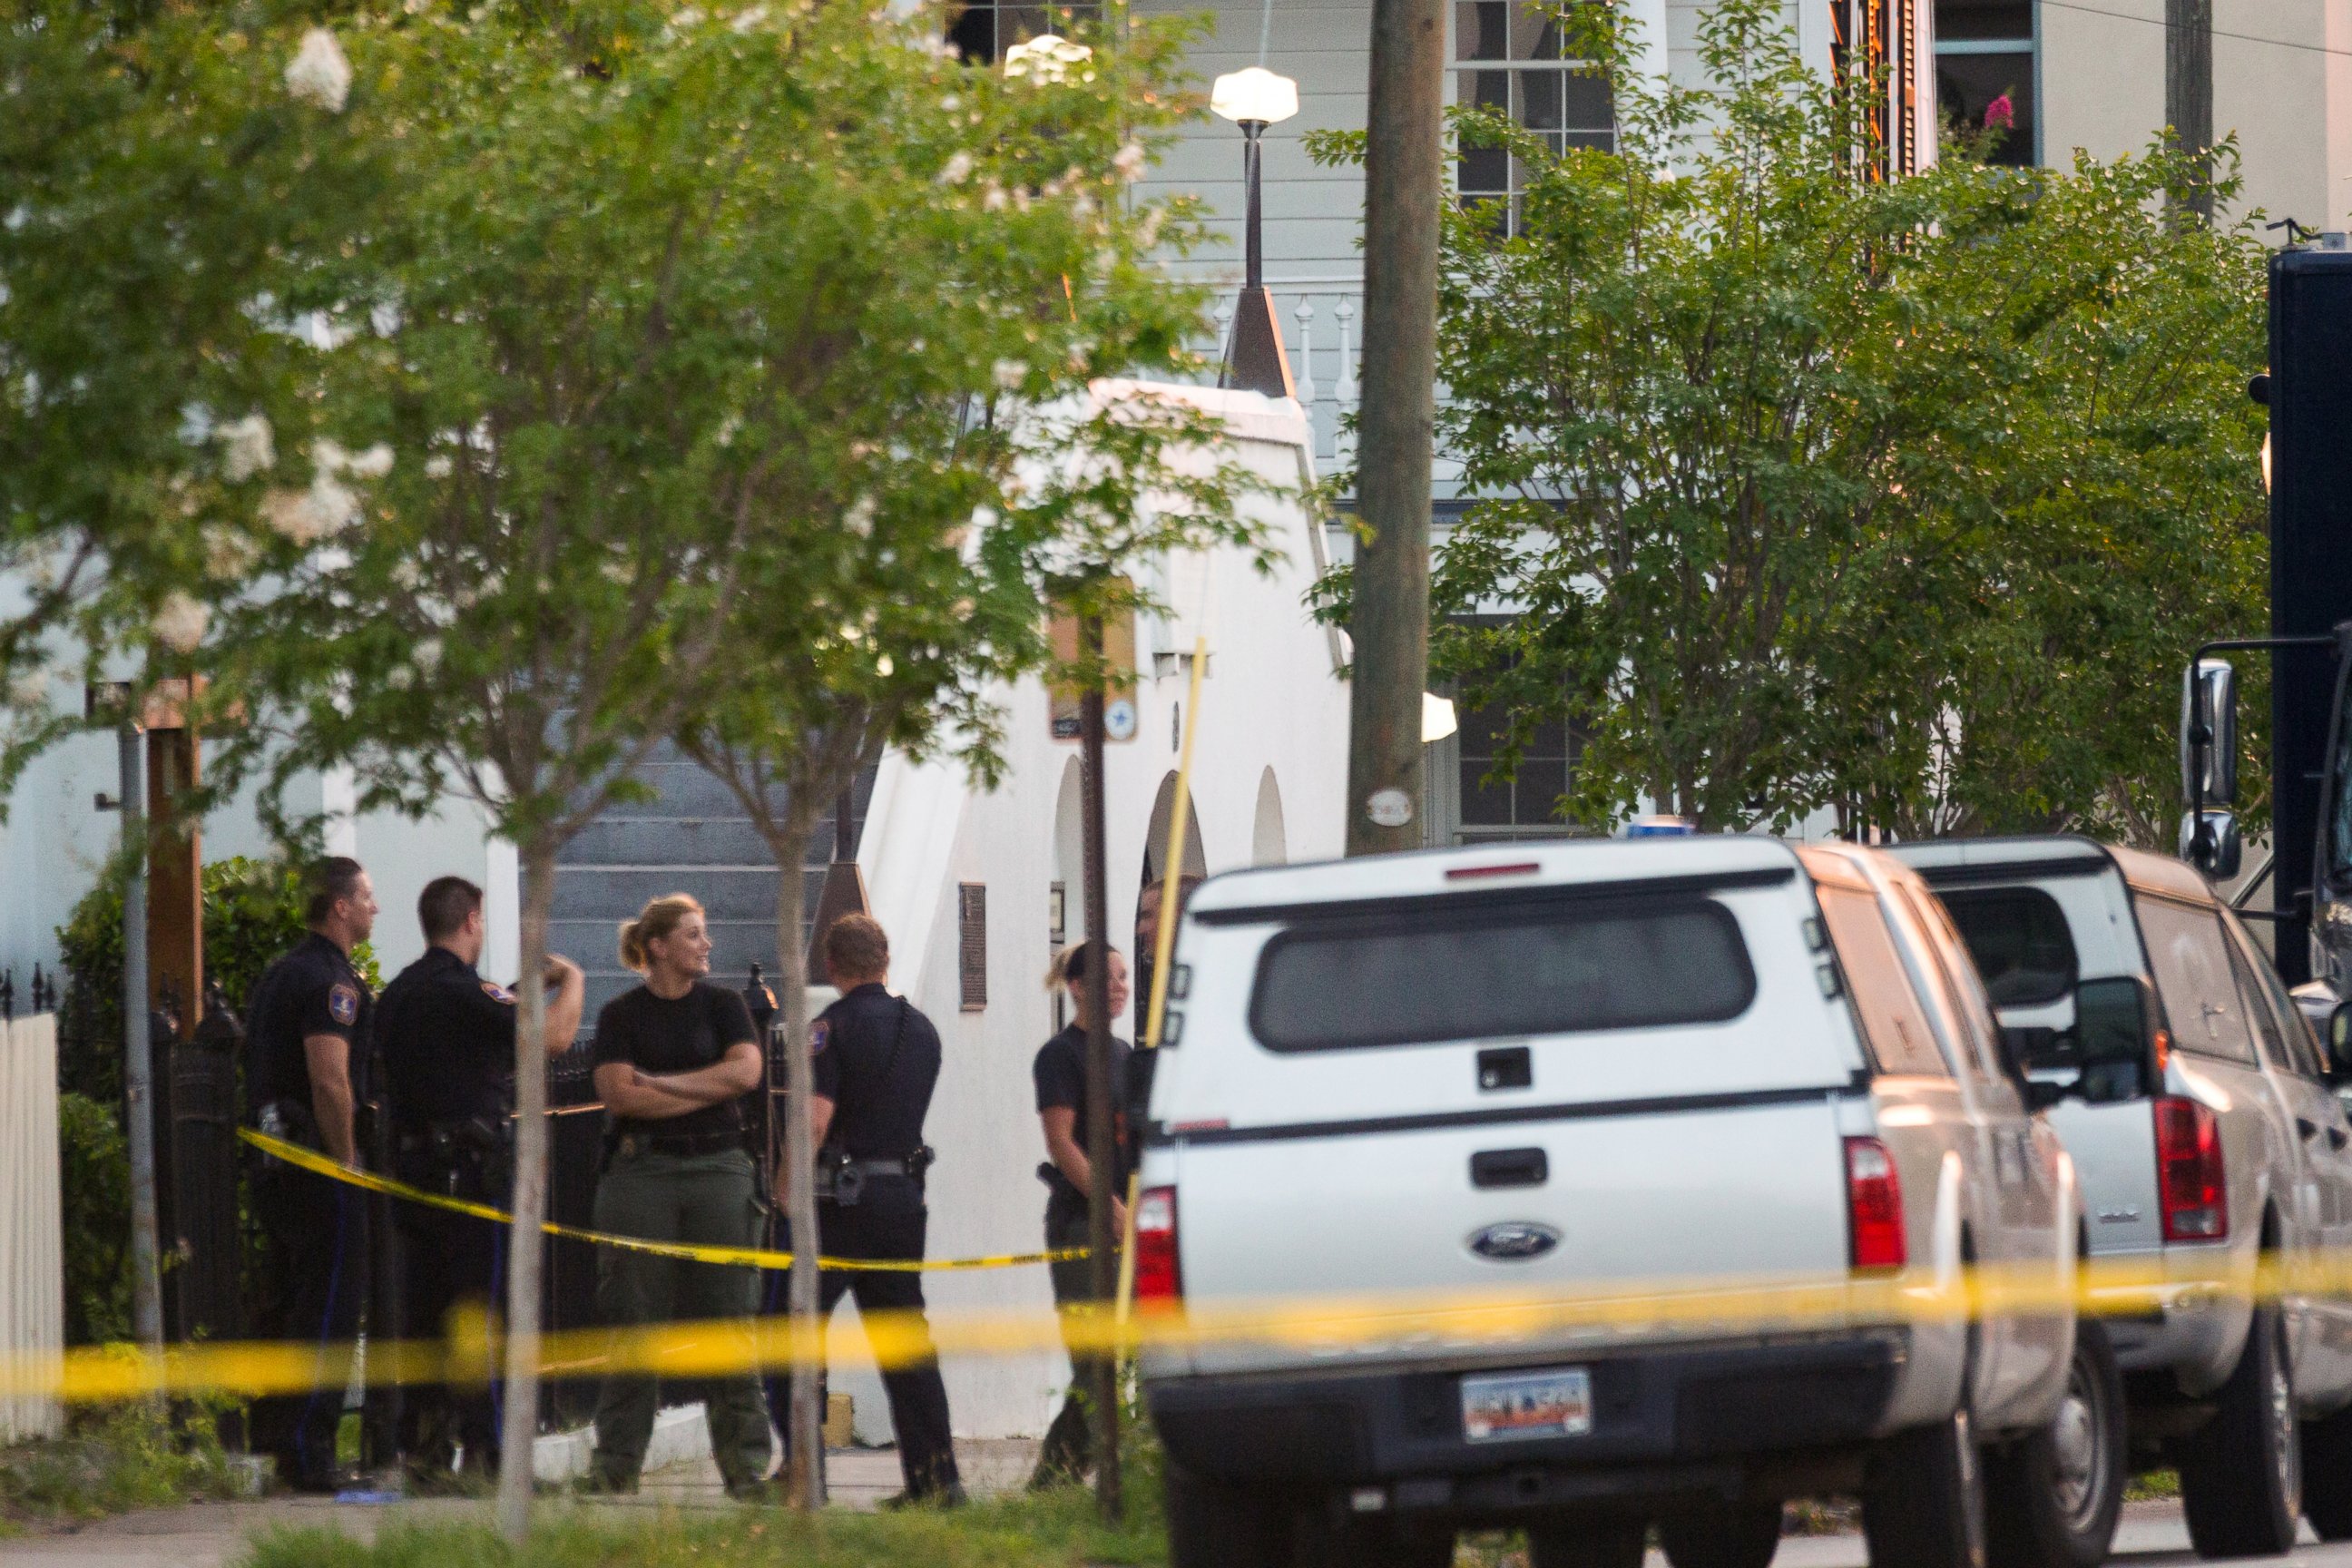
(1521, 969)
(2020, 939)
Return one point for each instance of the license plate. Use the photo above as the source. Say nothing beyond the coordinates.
(1556, 1404)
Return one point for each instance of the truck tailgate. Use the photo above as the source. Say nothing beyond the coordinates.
(1678, 1194)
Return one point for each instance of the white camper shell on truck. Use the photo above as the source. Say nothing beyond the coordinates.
(1562, 1070)
(2209, 1141)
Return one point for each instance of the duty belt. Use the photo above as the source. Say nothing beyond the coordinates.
(840, 1178)
(676, 1144)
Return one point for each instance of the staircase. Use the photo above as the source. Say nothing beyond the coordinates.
(690, 837)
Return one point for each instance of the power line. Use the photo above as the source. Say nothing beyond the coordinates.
(2217, 32)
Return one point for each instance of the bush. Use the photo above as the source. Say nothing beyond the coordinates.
(253, 913)
(135, 1455)
(94, 1182)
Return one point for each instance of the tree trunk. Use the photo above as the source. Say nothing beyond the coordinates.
(804, 1478)
(527, 1245)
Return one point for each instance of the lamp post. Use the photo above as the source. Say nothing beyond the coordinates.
(1254, 362)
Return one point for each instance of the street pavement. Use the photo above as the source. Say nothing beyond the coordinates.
(213, 1535)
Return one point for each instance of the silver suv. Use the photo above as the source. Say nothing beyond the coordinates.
(2208, 1141)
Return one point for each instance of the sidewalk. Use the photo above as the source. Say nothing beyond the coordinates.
(213, 1535)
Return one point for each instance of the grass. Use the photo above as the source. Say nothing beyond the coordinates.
(1054, 1530)
(110, 1461)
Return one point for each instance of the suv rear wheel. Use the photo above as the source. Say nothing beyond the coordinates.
(2242, 1472)
(1923, 1503)
(1602, 1541)
(1214, 1524)
(1721, 1535)
(2051, 1501)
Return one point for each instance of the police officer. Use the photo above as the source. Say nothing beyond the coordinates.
(877, 1059)
(306, 1030)
(1060, 1074)
(445, 1037)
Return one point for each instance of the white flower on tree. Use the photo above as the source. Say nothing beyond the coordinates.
(1010, 374)
(180, 622)
(246, 448)
(1130, 161)
(30, 689)
(320, 75)
(859, 518)
(956, 169)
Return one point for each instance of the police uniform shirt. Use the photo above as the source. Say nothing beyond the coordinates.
(672, 1034)
(1060, 1072)
(446, 1037)
(313, 990)
(880, 1102)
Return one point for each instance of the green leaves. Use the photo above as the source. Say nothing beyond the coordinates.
(1819, 490)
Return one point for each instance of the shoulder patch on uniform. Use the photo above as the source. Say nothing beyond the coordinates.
(496, 991)
(343, 1002)
(820, 1035)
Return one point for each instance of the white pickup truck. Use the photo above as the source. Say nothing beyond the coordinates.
(1556, 1071)
(2222, 1149)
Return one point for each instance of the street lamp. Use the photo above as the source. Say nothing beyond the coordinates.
(1254, 362)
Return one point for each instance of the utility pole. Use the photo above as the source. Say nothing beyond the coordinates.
(1102, 1265)
(2189, 92)
(1403, 185)
(139, 1044)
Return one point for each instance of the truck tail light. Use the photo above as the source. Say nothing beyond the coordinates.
(2190, 1178)
(1158, 1276)
(1874, 1206)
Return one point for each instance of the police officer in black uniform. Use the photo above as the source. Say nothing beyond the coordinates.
(306, 1035)
(877, 1060)
(446, 1039)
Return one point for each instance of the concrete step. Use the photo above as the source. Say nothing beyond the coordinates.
(616, 893)
(677, 841)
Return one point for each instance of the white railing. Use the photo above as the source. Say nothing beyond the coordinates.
(32, 1262)
(1320, 315)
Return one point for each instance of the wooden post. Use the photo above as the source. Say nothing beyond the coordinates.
(175, 896)
(1403, 185)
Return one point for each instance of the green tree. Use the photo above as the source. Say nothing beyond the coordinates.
(1813, 488)
(655, 327)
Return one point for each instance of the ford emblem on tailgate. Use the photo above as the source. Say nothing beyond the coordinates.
(1514, 1241)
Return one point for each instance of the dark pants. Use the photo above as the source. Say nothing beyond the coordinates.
(1068, 1451)
(888, 1221)
(454, 1272)
(705, 1199)
(317, 1236)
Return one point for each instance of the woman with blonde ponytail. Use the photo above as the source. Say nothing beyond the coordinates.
(674, 1057)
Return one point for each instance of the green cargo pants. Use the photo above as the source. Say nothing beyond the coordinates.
(707, 1198)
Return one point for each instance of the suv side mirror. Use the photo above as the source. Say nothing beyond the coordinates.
(2117, 1023)
(2336, 1039)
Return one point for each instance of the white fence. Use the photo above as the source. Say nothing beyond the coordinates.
(32, 1263)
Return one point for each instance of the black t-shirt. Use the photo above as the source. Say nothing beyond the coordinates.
(1061, 1075)
(659, 1035)
(876, 1058)
(313, 990)
(445, 1037)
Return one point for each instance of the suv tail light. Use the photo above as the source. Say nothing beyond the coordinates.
(1874, 1206)
(2189, 1179)
(1158, 1277)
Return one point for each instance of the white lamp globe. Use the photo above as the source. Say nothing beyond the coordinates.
(1254, 95)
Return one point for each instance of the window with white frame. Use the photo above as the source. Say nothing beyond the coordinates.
(1985, 74)
(1509, 56)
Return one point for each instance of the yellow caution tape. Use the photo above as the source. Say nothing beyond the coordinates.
(311, 1159)
(1336, 1329)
